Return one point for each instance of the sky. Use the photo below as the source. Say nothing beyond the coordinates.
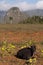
(22, 4)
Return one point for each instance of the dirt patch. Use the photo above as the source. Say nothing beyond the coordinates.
(11, 36)
(21, 36)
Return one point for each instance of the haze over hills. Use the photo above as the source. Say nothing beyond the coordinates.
(14, 15)
(35, 12)
(2, 14)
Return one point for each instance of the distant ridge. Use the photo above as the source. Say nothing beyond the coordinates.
(35, 12)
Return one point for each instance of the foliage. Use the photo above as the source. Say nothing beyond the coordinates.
(7, 48)
(31, 61)
(41, 43)
(42, 53)
(27, 44)
(33, 20)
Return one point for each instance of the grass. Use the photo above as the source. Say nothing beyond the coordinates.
(41, 43)
(10, 49)
(22, 27)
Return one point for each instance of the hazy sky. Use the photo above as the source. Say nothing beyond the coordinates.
(22, 4)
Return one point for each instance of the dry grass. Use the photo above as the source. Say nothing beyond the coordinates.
(22, 27)
(20, 34)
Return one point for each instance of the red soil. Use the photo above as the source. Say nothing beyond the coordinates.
(18, 37)
(21, 36)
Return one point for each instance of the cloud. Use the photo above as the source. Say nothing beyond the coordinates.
(30, 6)
(4, 5)
(39, 4)
(23, 5)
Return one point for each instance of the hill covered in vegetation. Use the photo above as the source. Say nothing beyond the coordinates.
(14, 15)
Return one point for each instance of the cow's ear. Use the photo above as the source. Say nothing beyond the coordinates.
(33, 47)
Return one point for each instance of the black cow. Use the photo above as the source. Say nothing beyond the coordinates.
(26, 53)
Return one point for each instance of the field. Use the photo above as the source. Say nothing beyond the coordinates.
(19, 35)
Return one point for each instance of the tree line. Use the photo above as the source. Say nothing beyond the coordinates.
(33, 20)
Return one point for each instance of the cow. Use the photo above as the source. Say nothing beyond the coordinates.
(26, 53)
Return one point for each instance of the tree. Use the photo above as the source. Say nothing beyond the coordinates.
(11, 18)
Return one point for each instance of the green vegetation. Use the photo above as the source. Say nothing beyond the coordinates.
(10, 18)
(42, 42)
(33, 20)
(7, 49)
(11, 47)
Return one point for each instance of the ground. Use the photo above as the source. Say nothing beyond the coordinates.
(20, 33)
(21, 36)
